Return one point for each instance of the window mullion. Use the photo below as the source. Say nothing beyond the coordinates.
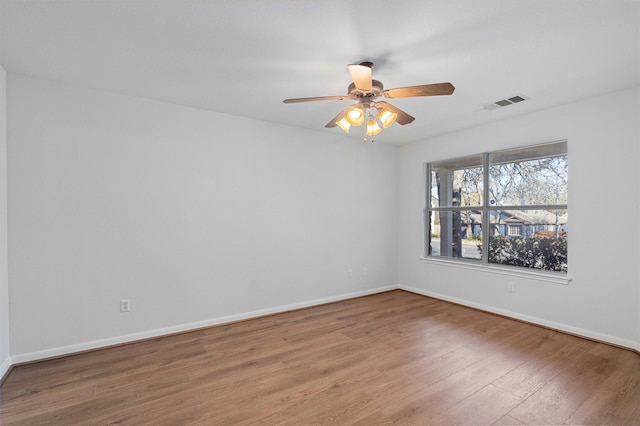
(427, 211)
(486, 225)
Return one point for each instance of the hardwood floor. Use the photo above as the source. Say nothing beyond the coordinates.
(391, 358)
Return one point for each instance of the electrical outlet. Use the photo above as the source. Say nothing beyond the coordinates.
(365, 271)
(125, 305)
(510, 287)
(349, 273)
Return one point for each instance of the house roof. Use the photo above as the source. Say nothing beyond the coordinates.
(540, 217)
(244, 57)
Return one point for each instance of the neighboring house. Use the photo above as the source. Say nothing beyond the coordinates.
(522, 223)
(516, 223)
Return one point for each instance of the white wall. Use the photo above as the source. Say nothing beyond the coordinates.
(195, 216)
(5, 359)
(602, 300)
(200, 217)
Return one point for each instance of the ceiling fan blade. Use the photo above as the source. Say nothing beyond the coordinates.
(361, 75)
(341, 114)
(403, 118)
(423, 90)
(317, 98)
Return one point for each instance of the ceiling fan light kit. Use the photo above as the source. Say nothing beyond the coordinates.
(365, 90)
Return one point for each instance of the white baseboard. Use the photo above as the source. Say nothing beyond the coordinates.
(534, 320)
(118, 340)
(5, 367)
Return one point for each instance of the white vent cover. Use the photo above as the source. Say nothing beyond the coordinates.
(505, 102)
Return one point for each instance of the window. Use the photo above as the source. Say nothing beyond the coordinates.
(515, 230)
(506, 207)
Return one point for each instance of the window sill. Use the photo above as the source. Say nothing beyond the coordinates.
(539, 275)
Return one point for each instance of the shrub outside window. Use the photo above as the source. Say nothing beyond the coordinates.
(505, 207)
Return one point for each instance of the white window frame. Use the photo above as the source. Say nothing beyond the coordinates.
(483, 266)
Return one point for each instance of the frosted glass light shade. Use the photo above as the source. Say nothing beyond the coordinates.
(387, 118)
(356, 116)
(344, 124)
(372, 127)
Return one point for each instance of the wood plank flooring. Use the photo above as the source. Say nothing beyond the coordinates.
(392, 358)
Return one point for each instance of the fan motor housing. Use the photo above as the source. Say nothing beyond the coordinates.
(376, 90)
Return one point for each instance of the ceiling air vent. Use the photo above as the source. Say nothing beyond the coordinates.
(505, 102)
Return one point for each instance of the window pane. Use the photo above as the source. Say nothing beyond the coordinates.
(457, 182)
(529, 238)
(456, 234)
(528, 181)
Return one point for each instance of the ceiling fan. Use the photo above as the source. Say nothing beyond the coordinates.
(365, 91)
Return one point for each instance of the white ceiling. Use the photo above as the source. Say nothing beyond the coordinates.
(244, 57)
